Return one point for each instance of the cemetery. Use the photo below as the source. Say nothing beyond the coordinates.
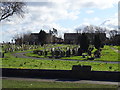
(65, 41)
(62, 58)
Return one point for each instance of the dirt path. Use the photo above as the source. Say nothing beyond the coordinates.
(62, 80)
(22, 55)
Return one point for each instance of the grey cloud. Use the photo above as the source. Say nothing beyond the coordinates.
(89, 4)
(40, 4)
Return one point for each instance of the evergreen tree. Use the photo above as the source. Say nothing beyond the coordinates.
(42, 37)
(97, 41)
(84, 42)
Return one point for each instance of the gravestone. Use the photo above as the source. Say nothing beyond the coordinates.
(97, 54)
(79, 68)
(57, 53)
(40, 52)
(1, 55)
(45, 53)
(89, 52)
(35, 51)
(62, 54)
(79, 53)
(52, 53)
(68, 53)
(73, 52)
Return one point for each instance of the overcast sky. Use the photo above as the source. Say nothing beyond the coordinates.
(64, 15)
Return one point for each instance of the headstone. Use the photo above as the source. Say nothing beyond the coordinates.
(97, 54)
(79, 68)
(45, 53)
(52, 53)
(79, 53)
(40, 52)
(35, 51)
(62, 54)
(68, 53)
(57, 53)
(89, 52)
(1, 55)
(73, 52)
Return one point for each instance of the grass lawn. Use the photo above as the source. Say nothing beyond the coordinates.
(108, 54)
(41, 84)
(12, 62)
(116, 47)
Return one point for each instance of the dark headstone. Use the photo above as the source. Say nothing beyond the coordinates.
(79, 52)
(73, 51)
(45, 53)
(92, 58)
(97, 54)
(68, 53)
(81, 68)
(57, 53)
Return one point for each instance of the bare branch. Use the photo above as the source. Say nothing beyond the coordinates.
(8, 9)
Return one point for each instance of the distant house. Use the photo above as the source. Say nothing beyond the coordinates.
(72, 38)
(115, 40)
(49, 38)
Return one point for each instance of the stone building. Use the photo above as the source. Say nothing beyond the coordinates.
(72, 38)
(49, 38)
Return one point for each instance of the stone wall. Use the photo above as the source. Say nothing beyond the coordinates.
(70, 74)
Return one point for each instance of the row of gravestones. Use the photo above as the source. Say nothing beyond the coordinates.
(19, 48)
(58, 53)
(12, 48)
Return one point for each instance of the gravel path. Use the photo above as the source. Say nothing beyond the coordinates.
(22, 55)
(62, 80)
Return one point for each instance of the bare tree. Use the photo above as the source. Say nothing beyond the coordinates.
(112, 33)
(93, 29)
(8, 9)
(23, 38)
(89, 29)
(54, 32)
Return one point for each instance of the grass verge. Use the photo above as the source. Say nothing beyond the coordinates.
(40, 84)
